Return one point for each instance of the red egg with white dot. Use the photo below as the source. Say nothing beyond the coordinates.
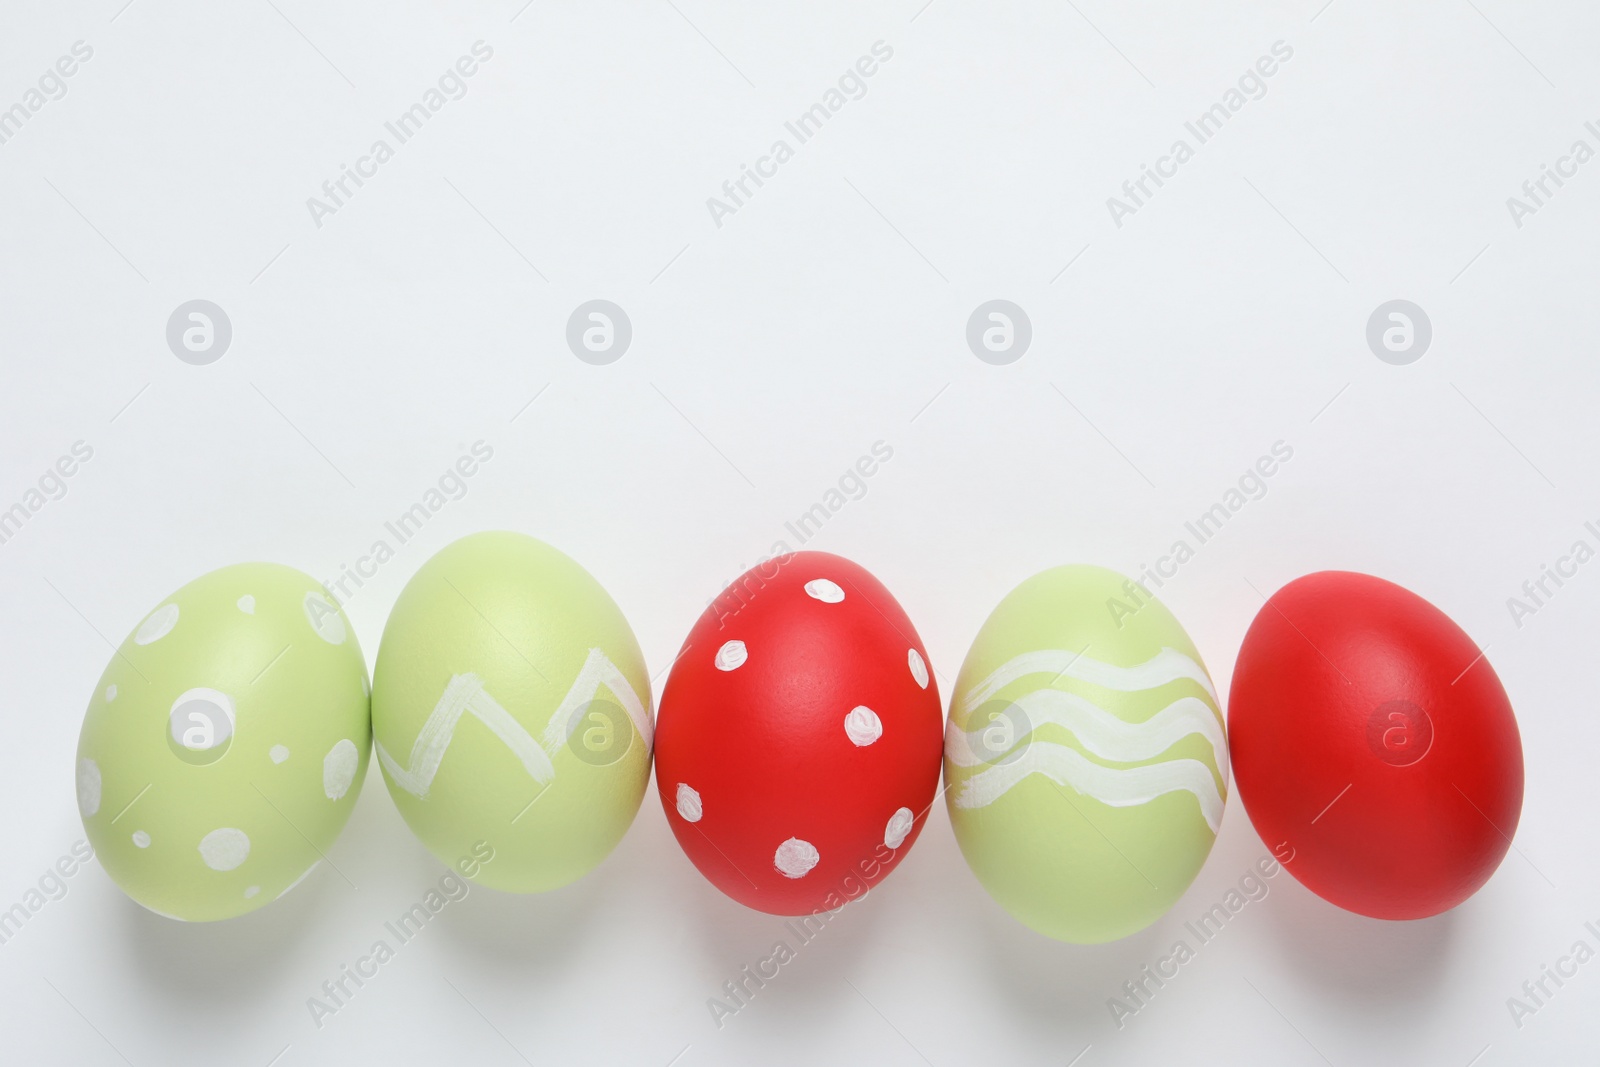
(799, 737)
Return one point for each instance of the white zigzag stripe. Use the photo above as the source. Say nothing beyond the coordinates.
(465, 693)
(1118, 788)
(1165, 666)
(597, 671)
(1099, 731)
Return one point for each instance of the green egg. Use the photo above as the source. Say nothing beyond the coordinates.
(511, 710)
(225, 743)
(1086, 763)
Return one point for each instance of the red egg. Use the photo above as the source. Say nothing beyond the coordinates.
(799, 737)
(1373, 746)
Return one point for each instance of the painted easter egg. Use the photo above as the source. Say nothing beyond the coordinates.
(1085, 760)
(798, 746)
(1374, 747)
(225, 744)
(511, 711)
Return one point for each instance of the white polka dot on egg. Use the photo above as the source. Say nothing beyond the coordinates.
(225, 848)
(88, 787)
(689, 803)
(894, 834)
(141, 839)
(919, 669)
(862, 726)
(824, 590)
(339, 768)
(795, 858)
(202, 720)
(731, 656)
(157, 626)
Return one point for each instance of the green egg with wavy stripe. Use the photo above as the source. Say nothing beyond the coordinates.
(225, 743)
(1086, 761)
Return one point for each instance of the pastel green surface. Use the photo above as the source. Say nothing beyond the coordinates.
(511, 706)
(1082, 762)
(225, 744)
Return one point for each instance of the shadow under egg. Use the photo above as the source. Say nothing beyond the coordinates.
(1057, 980)
(1384, 966)
(230, 960)
(524, 931)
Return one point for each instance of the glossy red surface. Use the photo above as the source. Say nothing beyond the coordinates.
(1373, 746)
(773, 750)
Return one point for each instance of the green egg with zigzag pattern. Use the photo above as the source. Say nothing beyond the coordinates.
(511, 713)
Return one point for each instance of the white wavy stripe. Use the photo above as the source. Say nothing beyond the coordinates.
(1097, 730)
(465, 693)
(1165, 666)
(1117, 788)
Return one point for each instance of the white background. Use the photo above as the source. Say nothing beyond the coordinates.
(768, 355)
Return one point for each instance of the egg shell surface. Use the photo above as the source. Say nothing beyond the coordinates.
(1375, 749)
(1086, 764)
(511, 711)
(225, 743)
(798, 747)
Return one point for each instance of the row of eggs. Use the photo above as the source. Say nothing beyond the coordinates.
(800, 737)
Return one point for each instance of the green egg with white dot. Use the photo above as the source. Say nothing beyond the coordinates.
(511, 710)
(225, 743)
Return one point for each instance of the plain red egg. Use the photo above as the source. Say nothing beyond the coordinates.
(799, 737)
(1373, 746)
